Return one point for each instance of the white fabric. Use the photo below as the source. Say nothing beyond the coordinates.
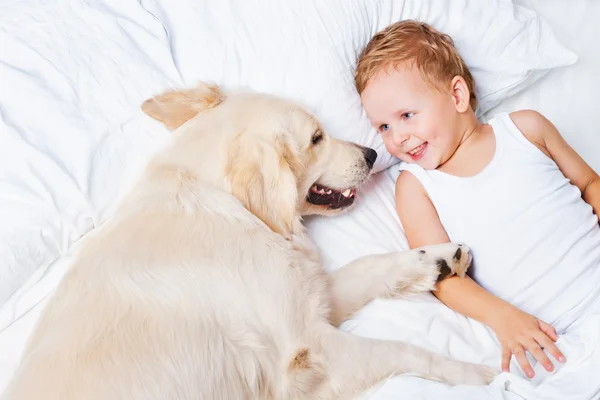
(535, 242)
(72, 76)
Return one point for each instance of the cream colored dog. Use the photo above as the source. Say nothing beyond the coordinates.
(204, 285)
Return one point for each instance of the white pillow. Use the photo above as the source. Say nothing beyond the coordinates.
(306, 49)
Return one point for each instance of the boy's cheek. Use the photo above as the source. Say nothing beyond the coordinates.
(393, 150)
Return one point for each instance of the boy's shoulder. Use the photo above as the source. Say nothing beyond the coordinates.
(407, 180)
(532, 124)
(409, 188)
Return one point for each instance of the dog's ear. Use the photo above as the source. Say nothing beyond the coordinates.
(175, 107)
(262, 177)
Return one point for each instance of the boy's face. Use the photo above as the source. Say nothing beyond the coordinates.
(416, 121)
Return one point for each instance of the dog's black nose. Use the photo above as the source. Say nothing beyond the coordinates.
(370, 156)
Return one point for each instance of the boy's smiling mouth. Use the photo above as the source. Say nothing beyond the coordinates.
(418, 152)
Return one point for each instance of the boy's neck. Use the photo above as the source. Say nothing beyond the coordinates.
(469, 127)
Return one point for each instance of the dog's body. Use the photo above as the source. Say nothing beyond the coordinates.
(204, 285)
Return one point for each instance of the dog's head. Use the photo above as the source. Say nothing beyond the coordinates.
(270, 153)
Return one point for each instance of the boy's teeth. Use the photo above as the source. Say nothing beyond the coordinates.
(416, 150)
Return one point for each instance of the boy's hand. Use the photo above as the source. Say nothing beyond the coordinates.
(519, 332)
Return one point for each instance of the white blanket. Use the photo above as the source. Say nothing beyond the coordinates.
(68, 120)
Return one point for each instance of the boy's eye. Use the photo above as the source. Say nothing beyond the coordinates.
(384, 127)
(407, 115)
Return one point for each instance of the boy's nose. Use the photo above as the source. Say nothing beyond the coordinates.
(399, 138)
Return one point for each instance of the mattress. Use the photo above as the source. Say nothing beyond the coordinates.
(567, 96)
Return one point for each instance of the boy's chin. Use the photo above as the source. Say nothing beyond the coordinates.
(426, 164)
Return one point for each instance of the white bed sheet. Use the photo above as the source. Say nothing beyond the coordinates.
(567, 96)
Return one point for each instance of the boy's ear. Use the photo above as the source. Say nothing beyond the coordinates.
(460, 93)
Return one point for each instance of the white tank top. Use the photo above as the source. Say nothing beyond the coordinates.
(535, 242)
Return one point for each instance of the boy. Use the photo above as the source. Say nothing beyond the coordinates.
(512, 190)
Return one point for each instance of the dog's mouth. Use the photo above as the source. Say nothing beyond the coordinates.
(334, 199)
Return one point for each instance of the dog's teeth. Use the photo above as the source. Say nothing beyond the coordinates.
(329, 192)
(314, 188)
(346, 193)
(321, 191)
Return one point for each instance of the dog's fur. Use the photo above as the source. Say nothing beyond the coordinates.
(204, 285)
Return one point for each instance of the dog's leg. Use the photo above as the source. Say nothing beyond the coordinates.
(354, 364)
(392, 275)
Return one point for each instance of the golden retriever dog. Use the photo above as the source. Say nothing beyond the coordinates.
(204, 285)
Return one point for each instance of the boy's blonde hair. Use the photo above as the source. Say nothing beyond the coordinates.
(432, 52)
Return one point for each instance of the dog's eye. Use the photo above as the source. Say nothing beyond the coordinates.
(317, 137)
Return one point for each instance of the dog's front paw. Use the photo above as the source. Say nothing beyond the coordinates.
(418, 270)
(449, 258)
(419, 277)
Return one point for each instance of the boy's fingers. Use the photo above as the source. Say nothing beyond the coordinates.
(506, 354)
(519, 353)
(548, 330)
(549, 346)
(537, 351)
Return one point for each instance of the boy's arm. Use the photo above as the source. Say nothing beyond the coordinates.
(541, 132)
(423, 227)
(516, 330)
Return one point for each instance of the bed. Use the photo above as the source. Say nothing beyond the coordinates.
(72, 78)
